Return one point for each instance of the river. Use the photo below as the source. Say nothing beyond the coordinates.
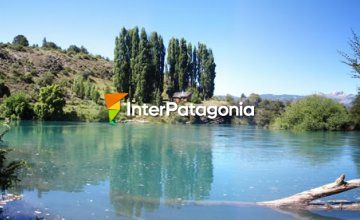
(159, 171)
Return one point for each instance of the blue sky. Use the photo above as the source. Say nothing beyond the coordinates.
(259, 46)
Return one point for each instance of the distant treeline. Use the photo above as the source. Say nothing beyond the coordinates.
(140, 68)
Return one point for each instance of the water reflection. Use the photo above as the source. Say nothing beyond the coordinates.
(143, 168)
(147, 167)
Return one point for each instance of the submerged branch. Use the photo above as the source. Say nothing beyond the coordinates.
(305, 199)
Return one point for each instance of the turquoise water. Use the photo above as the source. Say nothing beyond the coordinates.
(155, 171)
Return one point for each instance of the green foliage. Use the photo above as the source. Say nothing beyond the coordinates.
(139, 66)
(9, 171)
(46, 79)
(50, 45)
(84, 89)
(27, 77)
(353, 59)
(4, 90)
(314, 113)
(158, 97)
(229, 99)
(122, 70)
(143, 69)
(50, 104)
(267, 111)
(195, 95)
(20, 40)
(206, 74)
(95, 94)
(17, 106)
(156, 78)
(73, 49)
(355, 112)
(253, 99)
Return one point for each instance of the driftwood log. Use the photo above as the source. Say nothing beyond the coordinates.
(307, 199)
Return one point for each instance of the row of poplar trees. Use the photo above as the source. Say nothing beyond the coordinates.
(140, 68)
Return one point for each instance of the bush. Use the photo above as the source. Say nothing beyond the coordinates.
(20, 40)
(355, 112)
(17, 106)
(52, 63)
(51, 103)
(27, 77)
(314, 113)
(50, 45)
(73, 49)
(46, 79)
(4, 90)
(229, 99)
(267, 112)
(9, 171)
(195, 95)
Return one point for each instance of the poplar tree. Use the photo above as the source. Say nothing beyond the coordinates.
(143, 68)
(194, 65)
(122, 71)
(172, 77)
(182, 65)
(206, 71)
(189, 70)
(134, 51)
(158, 59)
(139, 64)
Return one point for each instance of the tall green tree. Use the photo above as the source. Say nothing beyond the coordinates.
(182, 65)
(122, 70)
(143, 68)
(158, 59)
(20, 40)
(206, 71)
(172, 76)
(189, 65)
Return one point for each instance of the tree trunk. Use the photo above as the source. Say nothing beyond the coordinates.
(304, 199)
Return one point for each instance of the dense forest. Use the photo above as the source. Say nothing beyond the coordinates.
(140, 68)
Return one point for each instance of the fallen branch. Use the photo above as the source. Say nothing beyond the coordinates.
(305, 199)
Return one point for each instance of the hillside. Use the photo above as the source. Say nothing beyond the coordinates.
(27, 69)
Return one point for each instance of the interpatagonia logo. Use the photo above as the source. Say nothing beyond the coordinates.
(112, 101)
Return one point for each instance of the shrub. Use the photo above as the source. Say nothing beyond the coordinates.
(52, 63)
(17, 106)
(314, 113)
(46, 79)
(9, 171)
(267, 112)
(73, 49)
(50, 45)
(195, 95)
(355, 112)
(20, 40)
(229, 99)
(50, 104)
(4, 90)
(27, 77)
